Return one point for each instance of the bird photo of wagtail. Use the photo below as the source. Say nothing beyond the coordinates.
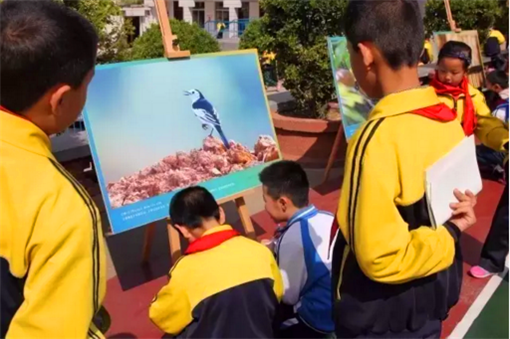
(206, 113)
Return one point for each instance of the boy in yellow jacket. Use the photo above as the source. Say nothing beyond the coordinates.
(226, 286)
(394, 275)
(51, 248)
(453, 88)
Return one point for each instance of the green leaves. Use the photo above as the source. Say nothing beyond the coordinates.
(296, 31)
(113, 31)
(468, 14)
(191, 37)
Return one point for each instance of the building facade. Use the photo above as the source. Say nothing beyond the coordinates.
(205, 13)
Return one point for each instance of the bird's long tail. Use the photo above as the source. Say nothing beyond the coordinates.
(222, 136)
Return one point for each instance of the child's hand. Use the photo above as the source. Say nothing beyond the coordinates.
(463, 213)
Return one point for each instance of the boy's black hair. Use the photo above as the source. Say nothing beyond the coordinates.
(42, 44)
(498, 78)
(191, 205)
(456, 49)
(395, 27)
(286, 178)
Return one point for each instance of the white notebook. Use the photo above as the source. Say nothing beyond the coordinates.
(456, 170)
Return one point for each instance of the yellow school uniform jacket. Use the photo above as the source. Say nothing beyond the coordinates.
(494, 33)
(230, 290)
(51, 248)
(491, 131)
(428, 47)
(392, 271)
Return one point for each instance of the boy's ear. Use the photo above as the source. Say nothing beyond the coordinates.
(284, 203)
(57, 97)
(222, 216)
(183, 230)
(366, 50)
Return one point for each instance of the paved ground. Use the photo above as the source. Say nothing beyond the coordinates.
(132, 285)
(492, 322)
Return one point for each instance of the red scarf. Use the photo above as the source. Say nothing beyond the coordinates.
(439, 112)
(211, 240)
(469, 119)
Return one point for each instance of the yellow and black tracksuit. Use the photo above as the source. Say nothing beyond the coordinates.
(392, 271)
(51, 248)
(226, 286)
(491, 131)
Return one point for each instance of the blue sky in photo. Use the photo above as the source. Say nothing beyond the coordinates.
(138, 114)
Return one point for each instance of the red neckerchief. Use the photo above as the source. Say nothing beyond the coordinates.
(439, 112)
(469, 119)
(211, 240)
(334, 230)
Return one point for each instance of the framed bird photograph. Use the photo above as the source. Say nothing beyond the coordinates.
(354, 104)
(158, 126)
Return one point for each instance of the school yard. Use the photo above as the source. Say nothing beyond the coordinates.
(481, 313)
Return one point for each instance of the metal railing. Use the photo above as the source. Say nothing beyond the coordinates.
(230, 29)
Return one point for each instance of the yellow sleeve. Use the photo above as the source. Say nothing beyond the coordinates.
(385, 249)
(500, 37)
(277, 278)
(491, 131)
(62, 284)
(170, 310)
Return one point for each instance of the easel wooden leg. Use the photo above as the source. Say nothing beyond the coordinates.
(174, 240)
(147, 242)
(242, 209)
(338, 139)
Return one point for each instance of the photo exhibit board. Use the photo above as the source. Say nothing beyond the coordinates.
(354, 105)
(476, 73)
(157, 126)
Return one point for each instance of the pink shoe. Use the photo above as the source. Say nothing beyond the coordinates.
(480, 272)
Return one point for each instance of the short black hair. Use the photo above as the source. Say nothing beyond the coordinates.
(395, 27)
(286, 178)
(191, 205)
(42, 44)
(456, 49)
(498, 78)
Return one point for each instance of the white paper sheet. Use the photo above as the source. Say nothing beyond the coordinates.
(457, 170)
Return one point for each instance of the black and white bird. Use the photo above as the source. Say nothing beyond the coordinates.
(206, 113)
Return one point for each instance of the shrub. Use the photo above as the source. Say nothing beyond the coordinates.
(254, 37)
(477, 15)
(113, 31)
(191, 37)
(502, 20)
(296, 32)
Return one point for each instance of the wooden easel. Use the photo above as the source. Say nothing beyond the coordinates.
(449, 16)
(340, 137)
(172, 51)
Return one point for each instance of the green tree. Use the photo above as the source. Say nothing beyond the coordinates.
(502, 20)
(113, 30)
(296, 32)
(190, 37)
(254, 37)
(477, 15)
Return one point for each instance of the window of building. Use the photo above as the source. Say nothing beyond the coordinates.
(198, 13)
(221, 12)
(178, 14)
(244, 11)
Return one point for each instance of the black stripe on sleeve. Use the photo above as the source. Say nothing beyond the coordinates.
(351, 182)
(355, 189)
(95, 243)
